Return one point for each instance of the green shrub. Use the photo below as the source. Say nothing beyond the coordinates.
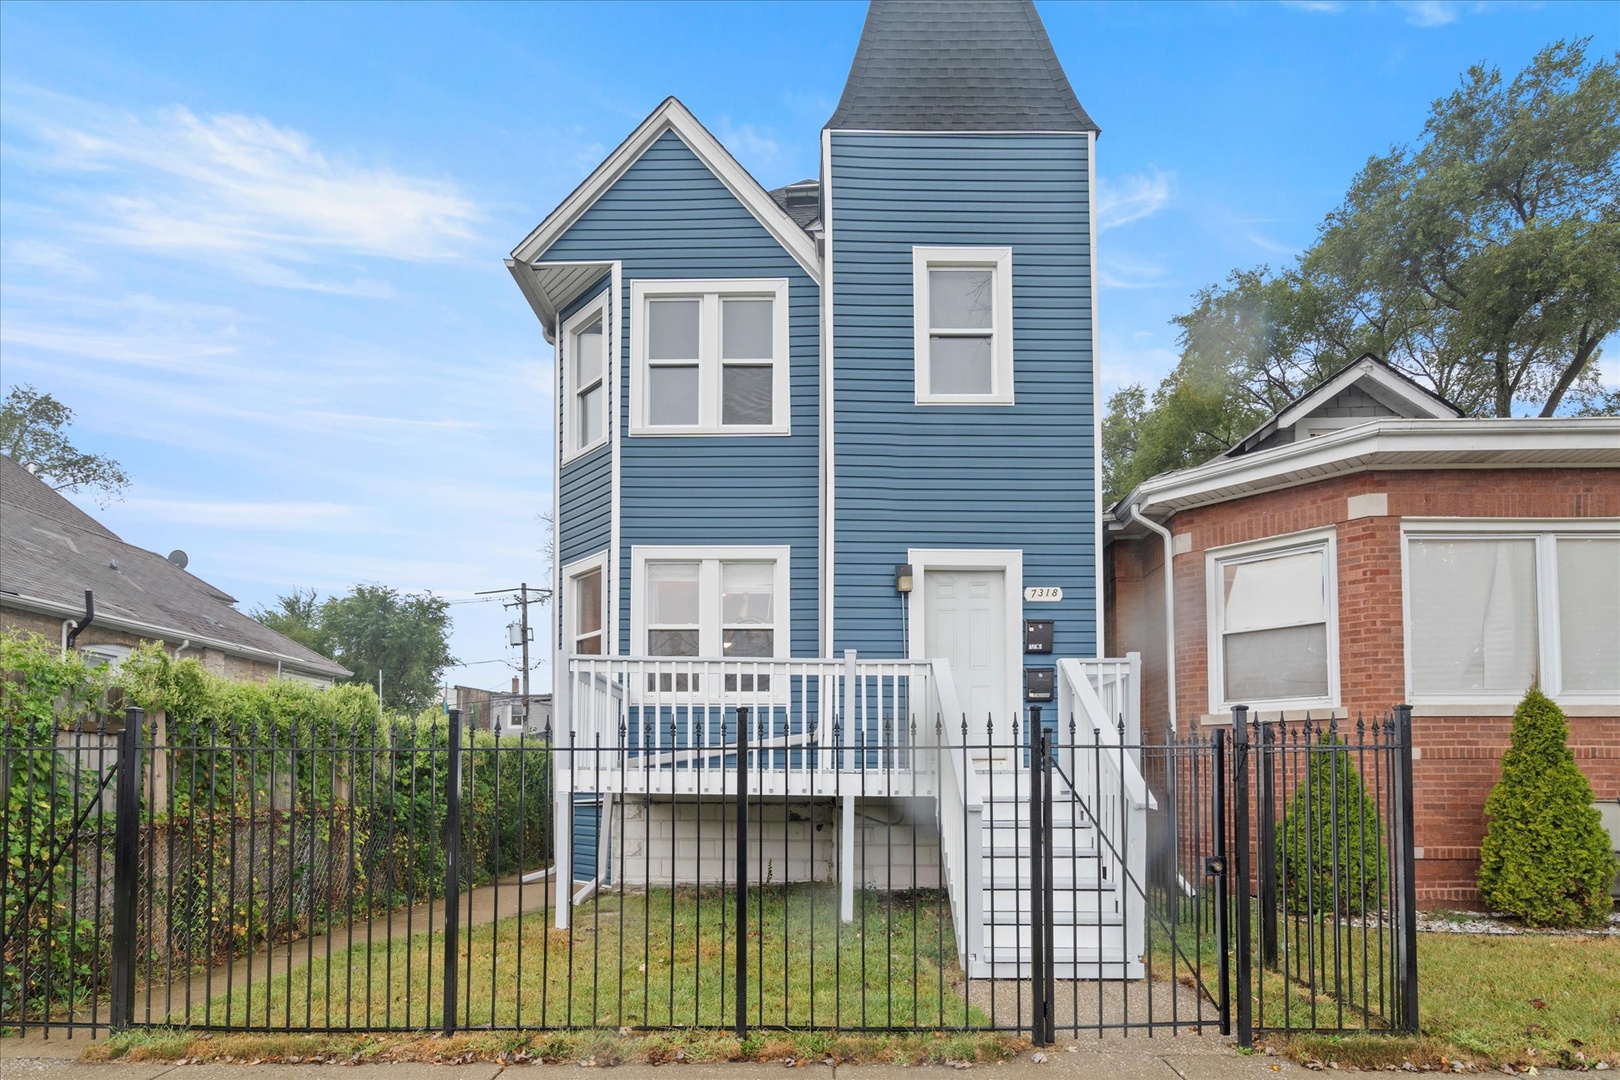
(1331, 846)
(1546, 856)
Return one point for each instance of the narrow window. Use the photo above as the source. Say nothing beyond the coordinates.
(588, 613)
(962, 304)
(584, 363)
(1589, 614)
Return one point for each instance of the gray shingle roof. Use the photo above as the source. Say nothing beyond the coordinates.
(801, 201)
(957, 65)
(52, 551)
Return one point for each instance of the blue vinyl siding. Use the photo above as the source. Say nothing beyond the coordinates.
(669, 217)
(584, 485)
(961, 476)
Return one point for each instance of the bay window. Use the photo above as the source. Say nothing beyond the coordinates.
(585, 607)
(584, 364)
(709, 357)
(1493, 608)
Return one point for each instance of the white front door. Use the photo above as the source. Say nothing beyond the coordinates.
(965, 622)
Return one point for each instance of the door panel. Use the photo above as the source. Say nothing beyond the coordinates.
(965, 620)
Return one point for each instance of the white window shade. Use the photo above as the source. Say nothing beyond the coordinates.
(1274, 627)
(1589, 615)
(1473, 627)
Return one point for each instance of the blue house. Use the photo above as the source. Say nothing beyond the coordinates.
(827, 485)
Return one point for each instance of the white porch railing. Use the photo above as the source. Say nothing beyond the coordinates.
(1106, 776)
(671, 726)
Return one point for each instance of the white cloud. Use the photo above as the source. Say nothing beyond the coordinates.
(1431, 12)
(1319, 7)
(757, 148)
(236, 188)
(1131, 197)
(1121, 364)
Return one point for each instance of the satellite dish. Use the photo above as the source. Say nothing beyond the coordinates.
(179, 558)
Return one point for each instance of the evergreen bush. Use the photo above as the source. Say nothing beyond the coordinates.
(1331, 846)
(1546, 856)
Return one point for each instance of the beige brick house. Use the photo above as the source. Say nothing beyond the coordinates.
(1368, 546)
(52, 554)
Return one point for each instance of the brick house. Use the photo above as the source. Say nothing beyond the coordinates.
(52, 554)
(1368, 546)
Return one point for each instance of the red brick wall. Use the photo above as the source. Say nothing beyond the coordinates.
(1459, 758)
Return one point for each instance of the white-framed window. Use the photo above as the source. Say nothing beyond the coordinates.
(584, 614)
(585, 378)
(709, 357)
(1273, 623)
(710, 602)
(962, 314)
(1494, 607)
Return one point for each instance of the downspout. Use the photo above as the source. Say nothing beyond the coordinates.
(186, 644)
(1169, 606)
(83, 624)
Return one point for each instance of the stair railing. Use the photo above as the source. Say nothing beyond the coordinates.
(960, 810)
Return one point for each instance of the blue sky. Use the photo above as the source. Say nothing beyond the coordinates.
(258, 248)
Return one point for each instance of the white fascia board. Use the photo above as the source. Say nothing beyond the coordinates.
(1385, 444)
(673, 116)
(1387, 381)
(524, 275)
(152, 631)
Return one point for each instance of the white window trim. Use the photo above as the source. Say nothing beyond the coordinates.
(597, 308)
(1325, 540)
(998, 259)
(709, 615)
(710, 291)
(1549, 658)
(570, 605)
(1010, 561)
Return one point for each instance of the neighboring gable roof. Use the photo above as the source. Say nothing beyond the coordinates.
(51, 552)
(669, 116)
(1402, 396)
(957, 65)
(801, 201)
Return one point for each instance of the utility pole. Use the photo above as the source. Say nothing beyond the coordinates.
(524, 608)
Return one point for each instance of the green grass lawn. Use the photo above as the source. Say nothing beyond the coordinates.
(664, 958)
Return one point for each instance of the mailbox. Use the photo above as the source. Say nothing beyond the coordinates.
(1038, 684)
(1038, 636)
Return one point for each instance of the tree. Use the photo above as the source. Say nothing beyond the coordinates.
(1484, 262)
(298, 616)
(1331, 847)
(32, 433)
(373, 628)
(1545, 857)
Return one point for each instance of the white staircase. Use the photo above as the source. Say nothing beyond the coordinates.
(1098, 841)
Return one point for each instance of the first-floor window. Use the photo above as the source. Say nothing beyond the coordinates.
(1490, 614)
(728, 603)
(1273, 638)
(585, 629)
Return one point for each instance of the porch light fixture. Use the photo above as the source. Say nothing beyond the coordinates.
(902, 577)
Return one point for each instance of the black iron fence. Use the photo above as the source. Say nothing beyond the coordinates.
(895, 874)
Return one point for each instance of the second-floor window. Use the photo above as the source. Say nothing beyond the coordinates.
(585, 379)
(709, 357)
(962, 309)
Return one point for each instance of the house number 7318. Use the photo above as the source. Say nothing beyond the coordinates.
(1043, 594)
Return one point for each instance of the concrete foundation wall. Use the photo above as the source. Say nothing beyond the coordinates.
(684, 843)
